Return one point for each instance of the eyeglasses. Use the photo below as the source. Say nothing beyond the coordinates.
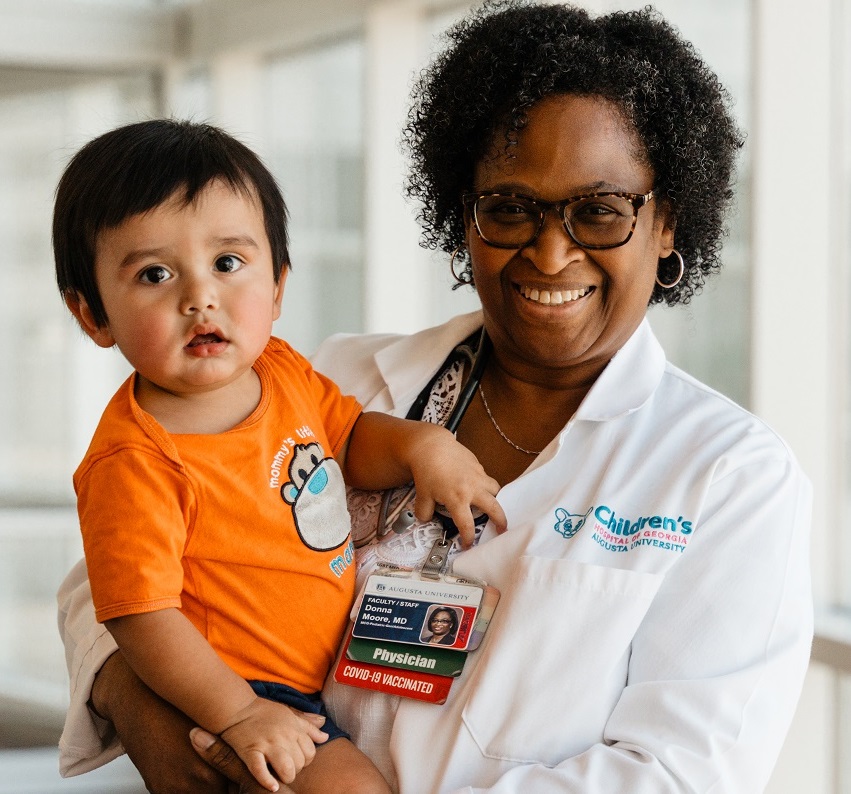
(594, 220)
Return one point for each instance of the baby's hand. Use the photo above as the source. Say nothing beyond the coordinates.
(268, 735)
(446, 472)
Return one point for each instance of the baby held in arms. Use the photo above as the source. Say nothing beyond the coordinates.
(212, 498)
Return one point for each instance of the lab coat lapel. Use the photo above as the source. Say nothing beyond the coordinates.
(410, 363)
(629, 380)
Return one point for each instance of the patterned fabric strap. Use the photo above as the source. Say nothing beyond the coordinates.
(410, 548)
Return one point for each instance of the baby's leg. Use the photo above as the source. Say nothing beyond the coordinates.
(340, 768)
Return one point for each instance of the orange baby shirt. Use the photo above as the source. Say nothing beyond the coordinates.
(247, 531)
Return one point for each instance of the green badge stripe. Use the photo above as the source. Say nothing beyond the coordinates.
(424, 658)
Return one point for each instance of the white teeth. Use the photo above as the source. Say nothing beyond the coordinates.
(554, 298)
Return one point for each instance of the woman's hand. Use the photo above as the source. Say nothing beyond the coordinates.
(223, 758)
(156, 735)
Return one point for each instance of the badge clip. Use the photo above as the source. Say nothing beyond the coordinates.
(435, 562)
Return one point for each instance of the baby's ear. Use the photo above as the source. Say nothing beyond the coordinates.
(279, 289)
(79, 307)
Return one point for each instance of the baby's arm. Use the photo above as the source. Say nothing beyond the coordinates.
(383, 452)
(168, 653)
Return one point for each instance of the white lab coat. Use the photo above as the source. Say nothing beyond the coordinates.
(657, 646)
(656, 616)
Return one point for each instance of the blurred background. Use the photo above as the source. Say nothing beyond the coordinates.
(319, 89)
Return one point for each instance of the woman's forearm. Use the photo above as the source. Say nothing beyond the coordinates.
(153, 732)
(113, 678)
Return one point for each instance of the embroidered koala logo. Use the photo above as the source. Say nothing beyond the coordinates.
(317, 494)
(568, 524)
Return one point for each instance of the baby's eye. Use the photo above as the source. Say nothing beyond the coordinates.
(228, 264)
(154, 275)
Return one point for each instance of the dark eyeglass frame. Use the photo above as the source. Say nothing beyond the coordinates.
(637, 200)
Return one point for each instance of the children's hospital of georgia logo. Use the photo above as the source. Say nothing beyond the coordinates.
(617, 533)
(568, 524)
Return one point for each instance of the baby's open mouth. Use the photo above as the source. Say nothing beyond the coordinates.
(204, 339)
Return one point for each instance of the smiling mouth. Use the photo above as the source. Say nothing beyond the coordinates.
(553, 297)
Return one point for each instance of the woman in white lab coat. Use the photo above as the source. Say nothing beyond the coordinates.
(655, 619)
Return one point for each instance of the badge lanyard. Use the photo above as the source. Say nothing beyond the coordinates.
(401, 518)
(411, 635)
(394, 644)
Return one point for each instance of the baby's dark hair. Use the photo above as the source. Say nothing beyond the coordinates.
(137, 167)
(509, 54)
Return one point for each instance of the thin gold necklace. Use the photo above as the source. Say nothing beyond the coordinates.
(498, 429)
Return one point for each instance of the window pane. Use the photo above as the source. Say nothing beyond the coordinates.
(842, 132)
(54, 388)
(710, 338)
(313, 136)
(55, 384)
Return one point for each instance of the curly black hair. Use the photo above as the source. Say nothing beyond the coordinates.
(508, 54)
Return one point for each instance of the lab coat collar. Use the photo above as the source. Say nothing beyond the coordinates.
(408, 364)
(624, 386)
(629, 380)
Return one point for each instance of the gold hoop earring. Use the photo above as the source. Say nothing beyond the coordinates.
(679, 277)
(467, 280)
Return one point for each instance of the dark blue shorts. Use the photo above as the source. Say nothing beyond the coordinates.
(281, 693)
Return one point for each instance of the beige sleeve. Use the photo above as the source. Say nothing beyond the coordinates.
(87, 741)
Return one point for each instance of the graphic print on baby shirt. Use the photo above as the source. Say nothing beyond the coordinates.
(317, 494)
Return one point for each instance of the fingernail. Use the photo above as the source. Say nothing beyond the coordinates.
(201, 739)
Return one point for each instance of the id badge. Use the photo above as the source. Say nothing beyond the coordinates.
(418, 612)
(412, 629)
